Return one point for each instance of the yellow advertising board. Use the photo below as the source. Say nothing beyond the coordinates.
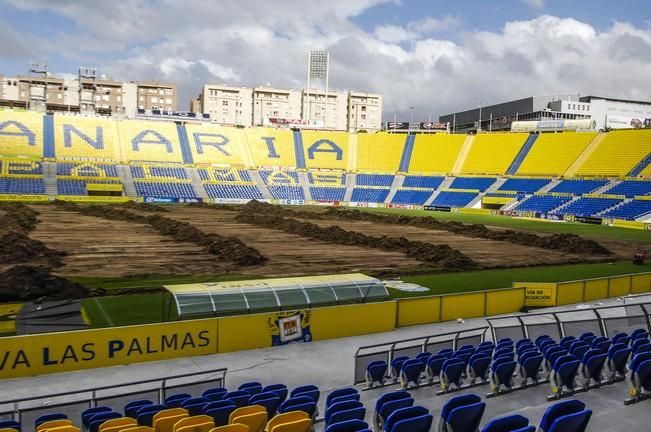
(538, 294)
(24, 198)
(86, 349)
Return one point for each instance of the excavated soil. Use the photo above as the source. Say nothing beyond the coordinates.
(569, 243)
(442, 256)
(15, 244)
(224, 248)
(24, 283)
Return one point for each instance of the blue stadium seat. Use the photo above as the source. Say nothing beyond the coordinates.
(421, 423)
(455, 402)
(388, 403)
(524, 185)
(340, 406)
(10, 424)
(478, 367)
(131, 409)
(175, 401)
(453, 199)
(374, 180)
(221, 415)
(22, 186)
(631, 188)
(376, 372)
(472, 183)
(589, 206)
(563, 374)
(340, 392)
(578, 186)
(451, 373)
(361, 194)
(576, 422)
(165, 190)
(424, 182)
(239, 397)
(96, 421)
(630, 210)
(403, 414)
(87, 414)
(279, 389)
(357, 413)
(348, 426)
(48, 417)
(292, 193)
(465, 417)
(308, 390)
(560, 409)
(508, 423)
(327, 194)
(411, 371)
(233, 191)
(501, 373)
(591, 367)
(215, 394)
(410, 196)
(251, 387)
(541, 203)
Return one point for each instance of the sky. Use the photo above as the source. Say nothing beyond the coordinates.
(435, 56)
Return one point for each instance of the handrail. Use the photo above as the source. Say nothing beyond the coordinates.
(94, 390)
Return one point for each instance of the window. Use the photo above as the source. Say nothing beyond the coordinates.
(363, 116)
(154, 100)
(363, 108)
(168, 91)
(225, 103)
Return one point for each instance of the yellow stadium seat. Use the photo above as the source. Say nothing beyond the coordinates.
(251, 409)
(66, 428)
(123, 422)
(53, 424)
(327, 150)
(288, 417)
(11, 430)
(617, 154)
(435, 153)
(138, 429)
(271, 147)
(493, 153)
(21, 133)
(553, 153)
(304, 425)
(149, 141)
(166, 422)
(85, 138)
(233, 427)
(201, 427)
(198, 420)
(216, 145)
(379, 152)
(255, 422)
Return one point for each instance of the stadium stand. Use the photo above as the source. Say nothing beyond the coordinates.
(435, 153)
(524, 185)
(411, 196)
(279, 177)
(472, 183)
(143, 141)
(454, 199)
(165, 190)
(630, 210)
(287, 192)
(327, 193)
(553, 153)
(271, 147)
(21, 176)
(631, 188)
(156, 180)
(327, 150)
(216, 145)
(374, 180)
(219, 174)
(21, 133)
(326, 178)
(586, 206)
(493, 153)
(86, 138)
(380, 152)
(608, 159)
(578, 186)
(541, 203)
(369, 195)
(233, 191)
(425, 182)
(21, 186)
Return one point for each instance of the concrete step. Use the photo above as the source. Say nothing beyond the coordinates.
(127, 180)
(398, 180)
(197, 184)
(50, 178)
(351, 180)
(264, 190)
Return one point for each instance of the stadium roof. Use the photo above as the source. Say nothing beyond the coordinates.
(258, 295)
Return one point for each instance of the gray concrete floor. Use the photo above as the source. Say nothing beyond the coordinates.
(329, 365)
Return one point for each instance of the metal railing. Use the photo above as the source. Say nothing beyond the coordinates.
(413, 346)
(605, 321)
(73, 403)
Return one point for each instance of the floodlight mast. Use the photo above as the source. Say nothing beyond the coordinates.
(318, 67)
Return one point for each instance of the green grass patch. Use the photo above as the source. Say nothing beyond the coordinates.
(124, 310)
(593, 231)
(153, 280)
(451, 283)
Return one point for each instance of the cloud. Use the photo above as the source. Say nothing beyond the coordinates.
(247, 42)
(538, 4)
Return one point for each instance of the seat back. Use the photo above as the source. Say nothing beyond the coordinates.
(288, 417)
(452, 370)
(341, 406)
(560, 409)
(466, 417)
(251, 387)
(215, 393)
(304, 425)
(376, 371)
(255, 421)
(239, 397)
(391, 406)
(421, 423)
(351, 414)
(50, 424)
(235, 427)
(193, 421)
(347, 426)
(166, 423)
(394, 395)
(304, 389)
(506, 423)
(340, 392)
(402, 414)
(221, 415)
(280, 389)
(457, 401)
(119, 421)
(49, 417)
(90, 412)
(576, 422)
(175, 400)
(251, 409)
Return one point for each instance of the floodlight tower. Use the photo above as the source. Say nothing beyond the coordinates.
(318, 68)
(38, 86)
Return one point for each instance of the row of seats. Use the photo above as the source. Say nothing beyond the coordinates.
(578, 187)
(525, 185)
(22, 186)
(165, 189)
(78, 187)
(411, 196)
(86, 169)
(586, 206)
(233, 191)
(630, 210)
(541, 203)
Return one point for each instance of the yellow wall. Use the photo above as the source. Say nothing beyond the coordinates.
(60, 352)
(283, 153)
(104, 147)
(215, 145)
(352, 320)
(504, 301)
(493, 153)
(17, 129)
(640, 283)
(619, 286)
(330, 149)
(423, 310)
(568, 293)
(596, 289)
(435, 153)
(468, 305)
